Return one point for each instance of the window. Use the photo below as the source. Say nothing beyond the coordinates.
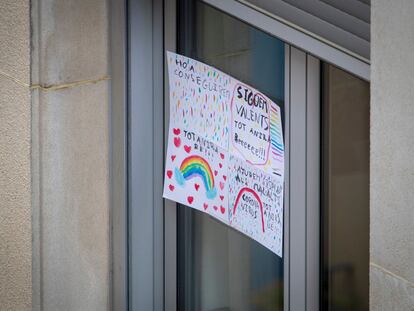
(345, 208)
(176, 258)
(220, 268)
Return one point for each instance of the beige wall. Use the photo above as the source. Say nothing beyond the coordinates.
(54, 193)
(54, 152)
(54, 141)
(392, 153)
(15, 208)
(71, 146)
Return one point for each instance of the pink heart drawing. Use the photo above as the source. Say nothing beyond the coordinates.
(221, 165)
(171, 187)
(222, 197)
(187, 148)
(205, 205)
(169, 173)
(177, 141)
(176, 131)
(224, 177)
(196, 186)
(190, 199)
(221, 185)
(222, 155)
(215, 173)
(222, 209)
(173, 158)
(215, 208)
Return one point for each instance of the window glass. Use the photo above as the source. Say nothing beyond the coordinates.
(345, 209)
(220, 268)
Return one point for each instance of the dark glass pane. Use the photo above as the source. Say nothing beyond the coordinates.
(345, 210)
(220, 268)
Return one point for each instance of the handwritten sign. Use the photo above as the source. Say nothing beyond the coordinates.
(196, 173)
(256, 204)
(256, 133)
(199, 98)
(225, 153)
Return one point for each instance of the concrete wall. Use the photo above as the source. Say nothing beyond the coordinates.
(392, 151)
(15, 208)
(70, 155)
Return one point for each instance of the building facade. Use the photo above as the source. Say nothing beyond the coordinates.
(83, 118)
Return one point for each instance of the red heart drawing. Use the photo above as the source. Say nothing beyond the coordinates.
(224, 177)
(187, 148)
(177, 141)
(215, 173)
(171, 187)
(190, 199)
(222, 197)
(222, 209)
(173, 158)
(215, 208)
(176, 131)
(205, 205)
(221, 165)
(222, 155)
(196, 186)
(221, 185)
(169, 173)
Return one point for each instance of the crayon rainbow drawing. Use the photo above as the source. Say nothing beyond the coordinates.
(276, 138)
(196, 166)
(256, 196)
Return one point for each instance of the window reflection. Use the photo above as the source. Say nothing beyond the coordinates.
(345, 212)
(220, 268)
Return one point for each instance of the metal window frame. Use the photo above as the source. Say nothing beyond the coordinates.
(155, 22)
(302, 208)
(137, 115)
(145, 154)
(170, 241)
(294, 36)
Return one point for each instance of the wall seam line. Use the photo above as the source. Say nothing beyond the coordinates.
(54, 87)
(386, 271)
(11, 78)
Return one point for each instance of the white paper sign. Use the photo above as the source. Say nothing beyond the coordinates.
(256, 204)
(225, 153)
(200, 98)
(256, 130)
(196, 173)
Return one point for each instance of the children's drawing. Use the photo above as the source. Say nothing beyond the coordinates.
(242, 194)
(256, 204)
(225, 153)
(199, 98)
(196, 173)
(196, 166)
(256, 131)
(276, 141)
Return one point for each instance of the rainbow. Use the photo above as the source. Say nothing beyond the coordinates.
(256, 196)
(196, 166)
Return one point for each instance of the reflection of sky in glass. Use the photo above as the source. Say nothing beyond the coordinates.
(268, 65)
(268, 72)
(255, 281)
